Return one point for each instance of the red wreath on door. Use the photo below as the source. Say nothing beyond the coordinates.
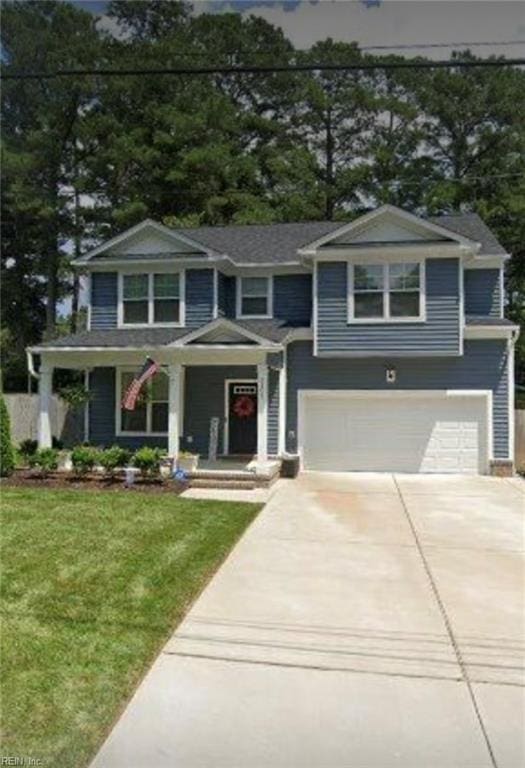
(244, 406)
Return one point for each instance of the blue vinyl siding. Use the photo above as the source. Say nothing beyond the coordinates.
(483, 292)
(199, 297)
(103, 300)
(292, 299)
(439, 335)
(483, 366)
(102, 414)
(204, 398)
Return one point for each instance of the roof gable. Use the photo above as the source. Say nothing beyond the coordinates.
(149, 238)
(387, 225)
(223, 331)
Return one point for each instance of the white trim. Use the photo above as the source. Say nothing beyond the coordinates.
(315, 309)
(182, 401)
(490, 331)
(151, 300)
(461, 318)
(226, 431)
(89, 300)
(45, 398)
(283, 386)
(387, 319)
(227, 324)
(364, 394)
(132, 231)
(215, 310)
(86, 406)
(502, 292)
(174, 403)
(262, 413)
(238, 297)
(486, 262)
(395, 212)
(511, 351)
(119, 432)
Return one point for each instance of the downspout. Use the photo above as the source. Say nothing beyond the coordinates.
(31, 365)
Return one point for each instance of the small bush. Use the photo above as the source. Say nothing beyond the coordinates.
(28, 447)
(113, 458)
(46, 460)
(84, 458)
(148, 460)
(7, 456)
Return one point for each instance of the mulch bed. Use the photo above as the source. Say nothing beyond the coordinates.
(24, 478)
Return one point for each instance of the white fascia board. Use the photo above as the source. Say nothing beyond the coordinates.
(221, 322)
(487, 262)
(391, 252)
(491, 331)
(202, 262)
(146, 224)
(398, 213)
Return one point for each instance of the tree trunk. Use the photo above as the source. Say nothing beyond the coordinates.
(76, 280)
(329, 167)
(51, 293)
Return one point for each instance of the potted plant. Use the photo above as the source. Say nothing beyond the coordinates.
(187, 462)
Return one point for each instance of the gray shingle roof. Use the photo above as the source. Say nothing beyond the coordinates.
(278, 243)
(484, 320)
(272, 330)
(472, 226)
(261, 243)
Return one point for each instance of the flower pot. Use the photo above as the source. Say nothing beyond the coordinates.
(188, 464)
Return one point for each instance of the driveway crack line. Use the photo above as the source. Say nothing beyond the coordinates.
(447, 623)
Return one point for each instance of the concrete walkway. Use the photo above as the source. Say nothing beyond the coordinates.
(362, 621)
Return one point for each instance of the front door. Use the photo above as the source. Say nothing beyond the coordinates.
(242, 417)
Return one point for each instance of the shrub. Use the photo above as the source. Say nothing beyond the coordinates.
(7, 456)
(113, 458)
(46, 460)
(28, 447)
(148, 460)
(84, 458)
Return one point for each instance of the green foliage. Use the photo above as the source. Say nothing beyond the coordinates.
(84, 458)
(7, 456)
(148, 460)
(75, 395)
(114, 458)
(28, 447)
(45, 459)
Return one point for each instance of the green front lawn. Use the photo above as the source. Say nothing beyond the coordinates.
(92, 586)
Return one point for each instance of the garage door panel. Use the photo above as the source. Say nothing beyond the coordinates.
(427, 434)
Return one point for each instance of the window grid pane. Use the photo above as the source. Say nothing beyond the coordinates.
(254, 286)
(368, 277)
(135, 286)
(166, 286)
(368, 304)
(135, 311)
(166, 311)
(253, 306)
(404, 277)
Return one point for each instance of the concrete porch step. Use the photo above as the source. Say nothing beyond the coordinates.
(226, 483)
(221, 474)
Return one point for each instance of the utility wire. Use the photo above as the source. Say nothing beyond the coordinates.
(256, 69)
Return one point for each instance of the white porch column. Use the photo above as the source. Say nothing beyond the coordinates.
(45, 391)
(262, 413)
(174, 406)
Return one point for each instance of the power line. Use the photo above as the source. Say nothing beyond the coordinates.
(412, 46)
(257, 69)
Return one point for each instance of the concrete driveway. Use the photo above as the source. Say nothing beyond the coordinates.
(363, 620)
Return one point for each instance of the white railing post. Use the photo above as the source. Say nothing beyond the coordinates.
(45, 391)
(174, 405)
(262, 413)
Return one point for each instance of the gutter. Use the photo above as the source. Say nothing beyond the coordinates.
(31, 363)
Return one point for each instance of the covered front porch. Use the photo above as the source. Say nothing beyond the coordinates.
(223, 403)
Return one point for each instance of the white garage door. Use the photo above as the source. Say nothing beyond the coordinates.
(393, 432)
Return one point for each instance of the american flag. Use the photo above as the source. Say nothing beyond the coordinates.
(148, 370)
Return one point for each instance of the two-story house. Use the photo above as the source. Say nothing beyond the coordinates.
(374, 345)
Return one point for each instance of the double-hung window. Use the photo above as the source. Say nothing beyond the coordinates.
(150, 415)
(254, 297)
(386, 292)
(151, 299)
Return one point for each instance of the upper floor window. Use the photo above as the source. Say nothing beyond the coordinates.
(151, 299)
(386, 292)
(254, 297)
